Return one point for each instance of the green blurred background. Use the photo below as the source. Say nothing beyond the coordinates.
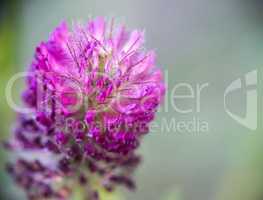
(204, 41)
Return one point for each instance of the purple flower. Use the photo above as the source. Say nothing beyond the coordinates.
(93, 91)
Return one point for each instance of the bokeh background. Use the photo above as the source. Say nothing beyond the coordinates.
(197, 42)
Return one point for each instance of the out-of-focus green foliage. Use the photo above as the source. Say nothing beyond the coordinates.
(104, 195)
(8, 62)
(9, 31)
(245, 179)
(172, 195)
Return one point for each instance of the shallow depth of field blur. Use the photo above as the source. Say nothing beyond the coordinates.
(197, 42)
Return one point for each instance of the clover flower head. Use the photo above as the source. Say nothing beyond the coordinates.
(92, 92)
